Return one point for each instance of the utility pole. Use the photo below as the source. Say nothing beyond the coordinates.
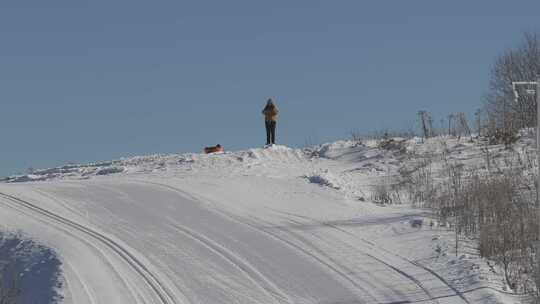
(478, 115)
(423, 120)
(538, 165)
(450, 117)
(538, 138)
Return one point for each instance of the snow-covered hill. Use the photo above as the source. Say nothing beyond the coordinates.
(276, 225)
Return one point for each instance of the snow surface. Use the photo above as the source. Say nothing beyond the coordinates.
(275, 225)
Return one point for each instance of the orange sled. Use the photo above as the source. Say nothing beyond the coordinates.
(216, 148)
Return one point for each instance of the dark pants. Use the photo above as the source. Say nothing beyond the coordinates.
(270, 132)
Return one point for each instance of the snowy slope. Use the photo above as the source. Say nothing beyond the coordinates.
(275, 225)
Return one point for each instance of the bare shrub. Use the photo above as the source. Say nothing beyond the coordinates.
(387, 192)
(508, 137)
(391, 144)
(357, 137)
(496, 207)
(383, 134)
(381, 194)
(418, 181)
(507, 223)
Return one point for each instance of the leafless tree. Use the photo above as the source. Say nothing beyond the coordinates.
(517, 64)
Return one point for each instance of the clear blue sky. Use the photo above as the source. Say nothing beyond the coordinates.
(95, 80)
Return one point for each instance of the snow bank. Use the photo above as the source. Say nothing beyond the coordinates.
(196, 221)
(165, 162)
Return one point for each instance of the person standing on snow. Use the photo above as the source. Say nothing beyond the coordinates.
(270, 113)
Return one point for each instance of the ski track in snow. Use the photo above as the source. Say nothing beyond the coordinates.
(243, 227)
(237, 260)
(326, 260)
(159, 289)
(400, 271)
(250, 271)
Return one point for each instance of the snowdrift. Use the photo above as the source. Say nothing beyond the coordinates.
(275, 225)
